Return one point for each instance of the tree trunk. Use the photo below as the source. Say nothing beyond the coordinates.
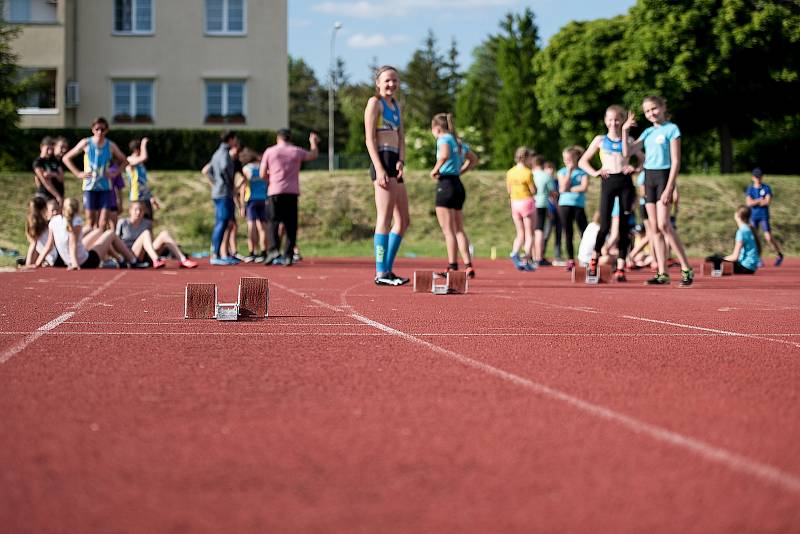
(726, 149)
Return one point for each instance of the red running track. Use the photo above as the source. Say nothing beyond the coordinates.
(530, 404)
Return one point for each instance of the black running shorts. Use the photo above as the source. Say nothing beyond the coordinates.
(450, 192)
(655, 181)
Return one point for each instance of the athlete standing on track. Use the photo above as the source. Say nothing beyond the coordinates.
(386, 146)
(662, 163)
(616, 186)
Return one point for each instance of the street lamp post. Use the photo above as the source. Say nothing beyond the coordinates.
(331, 81)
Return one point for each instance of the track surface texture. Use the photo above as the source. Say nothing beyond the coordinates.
(531, 404)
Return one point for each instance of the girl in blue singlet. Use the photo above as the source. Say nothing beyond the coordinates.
(99, 153)
(385, 141)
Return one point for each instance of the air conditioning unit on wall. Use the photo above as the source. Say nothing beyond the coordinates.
(73, 94)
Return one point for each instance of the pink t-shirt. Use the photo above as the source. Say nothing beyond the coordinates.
(283, 165)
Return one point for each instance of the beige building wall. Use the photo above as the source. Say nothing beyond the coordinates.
(179, 57)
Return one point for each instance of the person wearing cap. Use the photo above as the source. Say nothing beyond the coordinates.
(280, 167)
(759, 197)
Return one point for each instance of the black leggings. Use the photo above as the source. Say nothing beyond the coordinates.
(283, 210)
(616, 185)
(738, 268)
(568, 215)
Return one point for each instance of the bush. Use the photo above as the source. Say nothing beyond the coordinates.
(171, 149)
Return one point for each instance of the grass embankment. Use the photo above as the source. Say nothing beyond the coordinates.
(337, 213)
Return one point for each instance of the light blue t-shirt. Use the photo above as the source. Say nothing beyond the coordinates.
(569, 198)
(453, 164)
(748, 256)
(656, 145)
(544, 186)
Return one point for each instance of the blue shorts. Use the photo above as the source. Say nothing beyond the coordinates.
(256, 210)
(761, 222)
(96, 200)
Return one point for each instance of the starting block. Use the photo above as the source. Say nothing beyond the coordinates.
(200, 301)
(708, 269)
(450, 283)
(603, 275)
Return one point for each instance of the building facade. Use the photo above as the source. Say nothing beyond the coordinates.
(153, 63)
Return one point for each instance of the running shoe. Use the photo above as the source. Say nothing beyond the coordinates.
(110, 264)
(517, 262)
(619, 275)
(659, 279)
(470, 272)
(687, 277)
(399, 280)
(219, 261)
(287, 261)
(297, 257)
(779, 260)
(545, 263)
(530, 266)
(591, 269)
(270, 258)
(386, 279)
(159, 263)
(570, 265)
(238, 257)
(250, 258)
(188, 264)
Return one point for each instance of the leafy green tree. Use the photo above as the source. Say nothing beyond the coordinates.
(308, 100)
(518, 121)
(427, 83)
(9, 89)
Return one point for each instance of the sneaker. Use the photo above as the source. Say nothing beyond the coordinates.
(297, 257)
(591, 269)
(530, 266)
(470, 272)
(236, 256)
(570, 265)
(270, 258)
(233, 260)
(188, 264)
(250, 258)
(140, 265)
(558, 262)
(399, 280)
(159, 263)
(219, 261)
(761, 264)
(110, 264)
(276, 261)
(287, 261)
(517, 262)
(687, 277)
(659, 279)
(385, 280)
(779, 260)
(260, 258)
(619, 275)
(545, 263)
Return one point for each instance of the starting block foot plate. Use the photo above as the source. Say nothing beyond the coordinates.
(253, 297)
(200, 301)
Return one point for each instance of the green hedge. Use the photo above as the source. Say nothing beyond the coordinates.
(172, 149)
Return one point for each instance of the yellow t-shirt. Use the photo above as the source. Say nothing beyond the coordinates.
(520, 181)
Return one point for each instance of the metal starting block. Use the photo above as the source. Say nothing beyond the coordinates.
(450, 283)
(603, 275)
(708, 269)
(252, 301)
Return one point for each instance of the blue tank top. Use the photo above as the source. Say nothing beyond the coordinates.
(390, 116)
(137, 182)
(256, 186)
(96, 161)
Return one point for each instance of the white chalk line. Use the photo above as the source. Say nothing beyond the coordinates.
(49, 326)
(733, 461)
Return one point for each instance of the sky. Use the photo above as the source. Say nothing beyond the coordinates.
(391, 31)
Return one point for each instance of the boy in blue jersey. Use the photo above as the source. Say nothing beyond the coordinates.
(759, 197)
(253, 206)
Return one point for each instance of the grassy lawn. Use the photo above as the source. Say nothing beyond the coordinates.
(337, 212)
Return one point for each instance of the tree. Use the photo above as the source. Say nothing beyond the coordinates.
(427, 81)
(308, 100)
(9, 89)
(518, 121)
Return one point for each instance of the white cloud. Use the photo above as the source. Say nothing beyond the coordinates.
(360, 40)
(366, 9)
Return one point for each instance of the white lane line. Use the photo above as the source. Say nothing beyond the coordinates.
(49, 326)
(248, 323)
(731, 460)
(714, 330)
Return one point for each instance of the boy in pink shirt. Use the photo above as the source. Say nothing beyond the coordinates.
(280, 167)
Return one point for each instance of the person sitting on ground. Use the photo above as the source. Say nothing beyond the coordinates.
(36, 231)
(87, 252)
(137, 233)
(747, 251)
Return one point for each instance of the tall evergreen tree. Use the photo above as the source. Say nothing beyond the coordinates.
(308, 100)
(427, 84)
(476, 99)
(9, 88)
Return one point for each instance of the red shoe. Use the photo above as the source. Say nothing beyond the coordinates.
(188, 264)
(619, 275)
(157, 264)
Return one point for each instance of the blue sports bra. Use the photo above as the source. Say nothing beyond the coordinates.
(390, 116)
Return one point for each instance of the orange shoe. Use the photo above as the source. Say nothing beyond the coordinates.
(188, 264)
(158, 264)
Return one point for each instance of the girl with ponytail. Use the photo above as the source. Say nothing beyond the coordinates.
(453, 158)
(746, 253)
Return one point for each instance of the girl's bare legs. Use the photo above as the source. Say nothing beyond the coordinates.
(164, 240)
(520, 237)
(90, 237)
(527, 223)
(657, 240)
(671, 236)
(261, 227)
(91, 218)
(400, 212)
(385, 200)
(252, 238)
(447, 224)
(461, 236)
(107, 241)
(144, 244)
(103, 219)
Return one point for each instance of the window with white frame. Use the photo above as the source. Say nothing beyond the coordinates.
(225, 101)
(133, 101)
(30, 11)
(133, 16)
(39, 87)
(226, 17)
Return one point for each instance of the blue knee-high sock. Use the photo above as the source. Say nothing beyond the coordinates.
(381, 244)
(391, 251)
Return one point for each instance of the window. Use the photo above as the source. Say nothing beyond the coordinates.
(30, 11)
(133, 101)
(39, 90)
(133, 16)
(225, 17)
(225, 102)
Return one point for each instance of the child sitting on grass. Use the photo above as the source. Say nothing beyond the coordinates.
(747, 250)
